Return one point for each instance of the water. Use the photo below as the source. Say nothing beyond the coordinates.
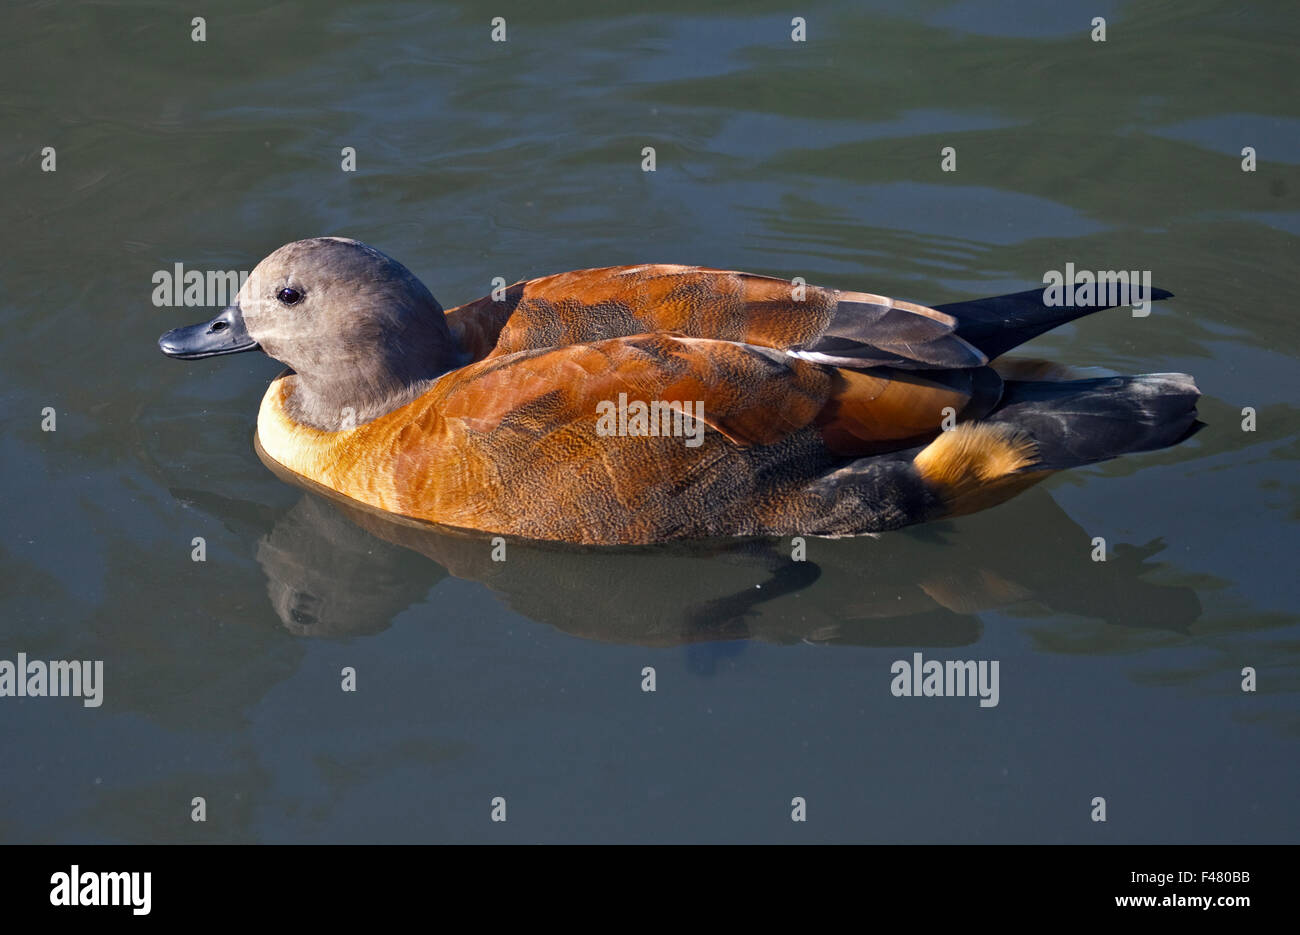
(523, 679)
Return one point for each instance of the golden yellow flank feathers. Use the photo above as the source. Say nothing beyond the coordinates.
(972, 454)
(977, 465)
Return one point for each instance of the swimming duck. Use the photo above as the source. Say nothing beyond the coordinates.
(639, 404)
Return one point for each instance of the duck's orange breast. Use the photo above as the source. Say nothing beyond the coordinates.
(408, 461)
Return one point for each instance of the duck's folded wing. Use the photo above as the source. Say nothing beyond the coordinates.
(752, 395)
(845, 329)
(584, 442)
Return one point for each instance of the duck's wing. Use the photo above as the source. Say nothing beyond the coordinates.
(750, 394)
(830, 326)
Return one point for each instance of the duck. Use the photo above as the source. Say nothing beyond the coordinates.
(633, 405)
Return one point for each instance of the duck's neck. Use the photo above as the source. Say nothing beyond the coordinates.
(374, 381)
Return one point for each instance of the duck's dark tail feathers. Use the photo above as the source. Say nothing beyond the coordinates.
(998, 324)
(1043, 426)
(1077, 422)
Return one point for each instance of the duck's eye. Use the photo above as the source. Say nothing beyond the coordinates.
(289, 296)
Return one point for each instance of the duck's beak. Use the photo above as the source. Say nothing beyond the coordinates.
(225, 334)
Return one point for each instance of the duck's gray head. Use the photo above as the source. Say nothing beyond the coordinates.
(354, 324)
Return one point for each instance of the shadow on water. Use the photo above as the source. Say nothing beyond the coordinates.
(335, 569)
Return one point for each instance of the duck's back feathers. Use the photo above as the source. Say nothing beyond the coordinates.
(830, 326)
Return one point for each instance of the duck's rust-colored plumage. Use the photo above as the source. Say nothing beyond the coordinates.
(824, 412)
(509, 444)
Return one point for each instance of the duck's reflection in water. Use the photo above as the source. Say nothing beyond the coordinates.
(336, 570)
